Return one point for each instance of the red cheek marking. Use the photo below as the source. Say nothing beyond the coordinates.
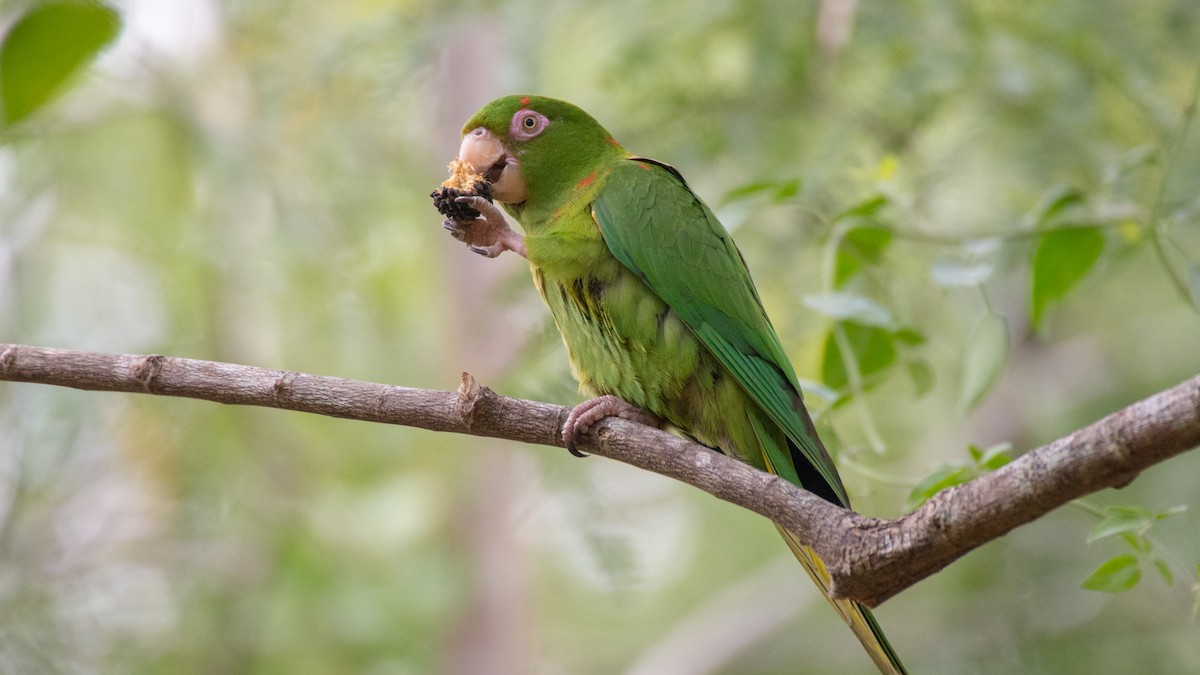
(586, 180)
(644, 165)
(524, 101)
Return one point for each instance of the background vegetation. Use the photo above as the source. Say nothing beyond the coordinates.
(974, 223)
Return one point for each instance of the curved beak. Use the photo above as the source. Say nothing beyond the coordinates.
(487, 155)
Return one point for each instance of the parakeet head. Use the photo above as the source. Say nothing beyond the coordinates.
(531, 148)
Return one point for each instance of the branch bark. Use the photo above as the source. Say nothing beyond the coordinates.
(870, 559)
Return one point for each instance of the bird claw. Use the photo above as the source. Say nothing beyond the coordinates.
(488, 234)
(488, 251)
(588, 413)
(455, 229)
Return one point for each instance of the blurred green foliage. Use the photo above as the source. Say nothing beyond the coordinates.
(973, 223)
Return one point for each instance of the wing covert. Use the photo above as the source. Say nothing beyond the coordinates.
(656, 227)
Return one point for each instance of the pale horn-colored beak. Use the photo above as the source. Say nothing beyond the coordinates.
(487, 155)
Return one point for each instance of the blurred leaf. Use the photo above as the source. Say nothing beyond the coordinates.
(1061, 259)
(850, 307)
(1196, 595)
(982, 247)
(864, 209)
(910, 336)
(786, 190)
(747, 190)
(1135, 158)
(873, 351)
(780, 190)
(982, 461)
(860, 245)
(1057, 200)
(992, 458)
(953, 272)
(945, 477)
(46, 47)
(986, 356)
(1194, 282)
(868, 242)
(845, 266)
(1120, 521)
(1114, 576)
(922, 376)
(812, 389)
(1137, 541)
(1173, 511)
(1164, 570)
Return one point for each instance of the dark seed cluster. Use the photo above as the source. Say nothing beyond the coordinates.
(444, 199)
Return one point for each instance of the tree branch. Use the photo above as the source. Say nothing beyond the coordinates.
(870, 559)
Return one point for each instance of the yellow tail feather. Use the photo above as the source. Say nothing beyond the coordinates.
(858, 617)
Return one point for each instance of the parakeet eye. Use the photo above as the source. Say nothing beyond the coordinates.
(527, 124)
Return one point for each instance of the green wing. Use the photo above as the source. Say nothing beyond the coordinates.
(657, 228)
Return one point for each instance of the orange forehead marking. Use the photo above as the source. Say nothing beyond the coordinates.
(613, 141)
(644, 165)
(524, 101)
(586, 180)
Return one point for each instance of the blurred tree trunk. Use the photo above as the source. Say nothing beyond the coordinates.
(492, 633)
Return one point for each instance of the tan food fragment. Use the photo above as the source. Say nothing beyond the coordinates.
(463, 177)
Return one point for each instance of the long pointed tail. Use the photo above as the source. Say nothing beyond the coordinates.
(858, 617)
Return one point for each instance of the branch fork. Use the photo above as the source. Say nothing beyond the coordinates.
(869, 559)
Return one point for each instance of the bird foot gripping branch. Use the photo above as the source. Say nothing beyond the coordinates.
(588, 413)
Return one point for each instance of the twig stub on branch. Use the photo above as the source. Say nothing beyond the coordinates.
(869, 559)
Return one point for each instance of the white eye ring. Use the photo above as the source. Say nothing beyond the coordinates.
(527, 124)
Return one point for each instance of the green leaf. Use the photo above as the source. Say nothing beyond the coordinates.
(1058, 199)
(1173, 511)
(945, 477)
(868, 242)
(1061, 259)
(1120, 521)
(851, 307)
(785, 190)
(1137, 541)
(872, 347)
(994, 457)
(859, 246)
(921, 375)
(1164, 570)
(747, 190)
(864, 209)
(1118, 574)
(46, 47)
(986, 356)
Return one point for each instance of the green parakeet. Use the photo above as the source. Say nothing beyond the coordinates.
(654, 302)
